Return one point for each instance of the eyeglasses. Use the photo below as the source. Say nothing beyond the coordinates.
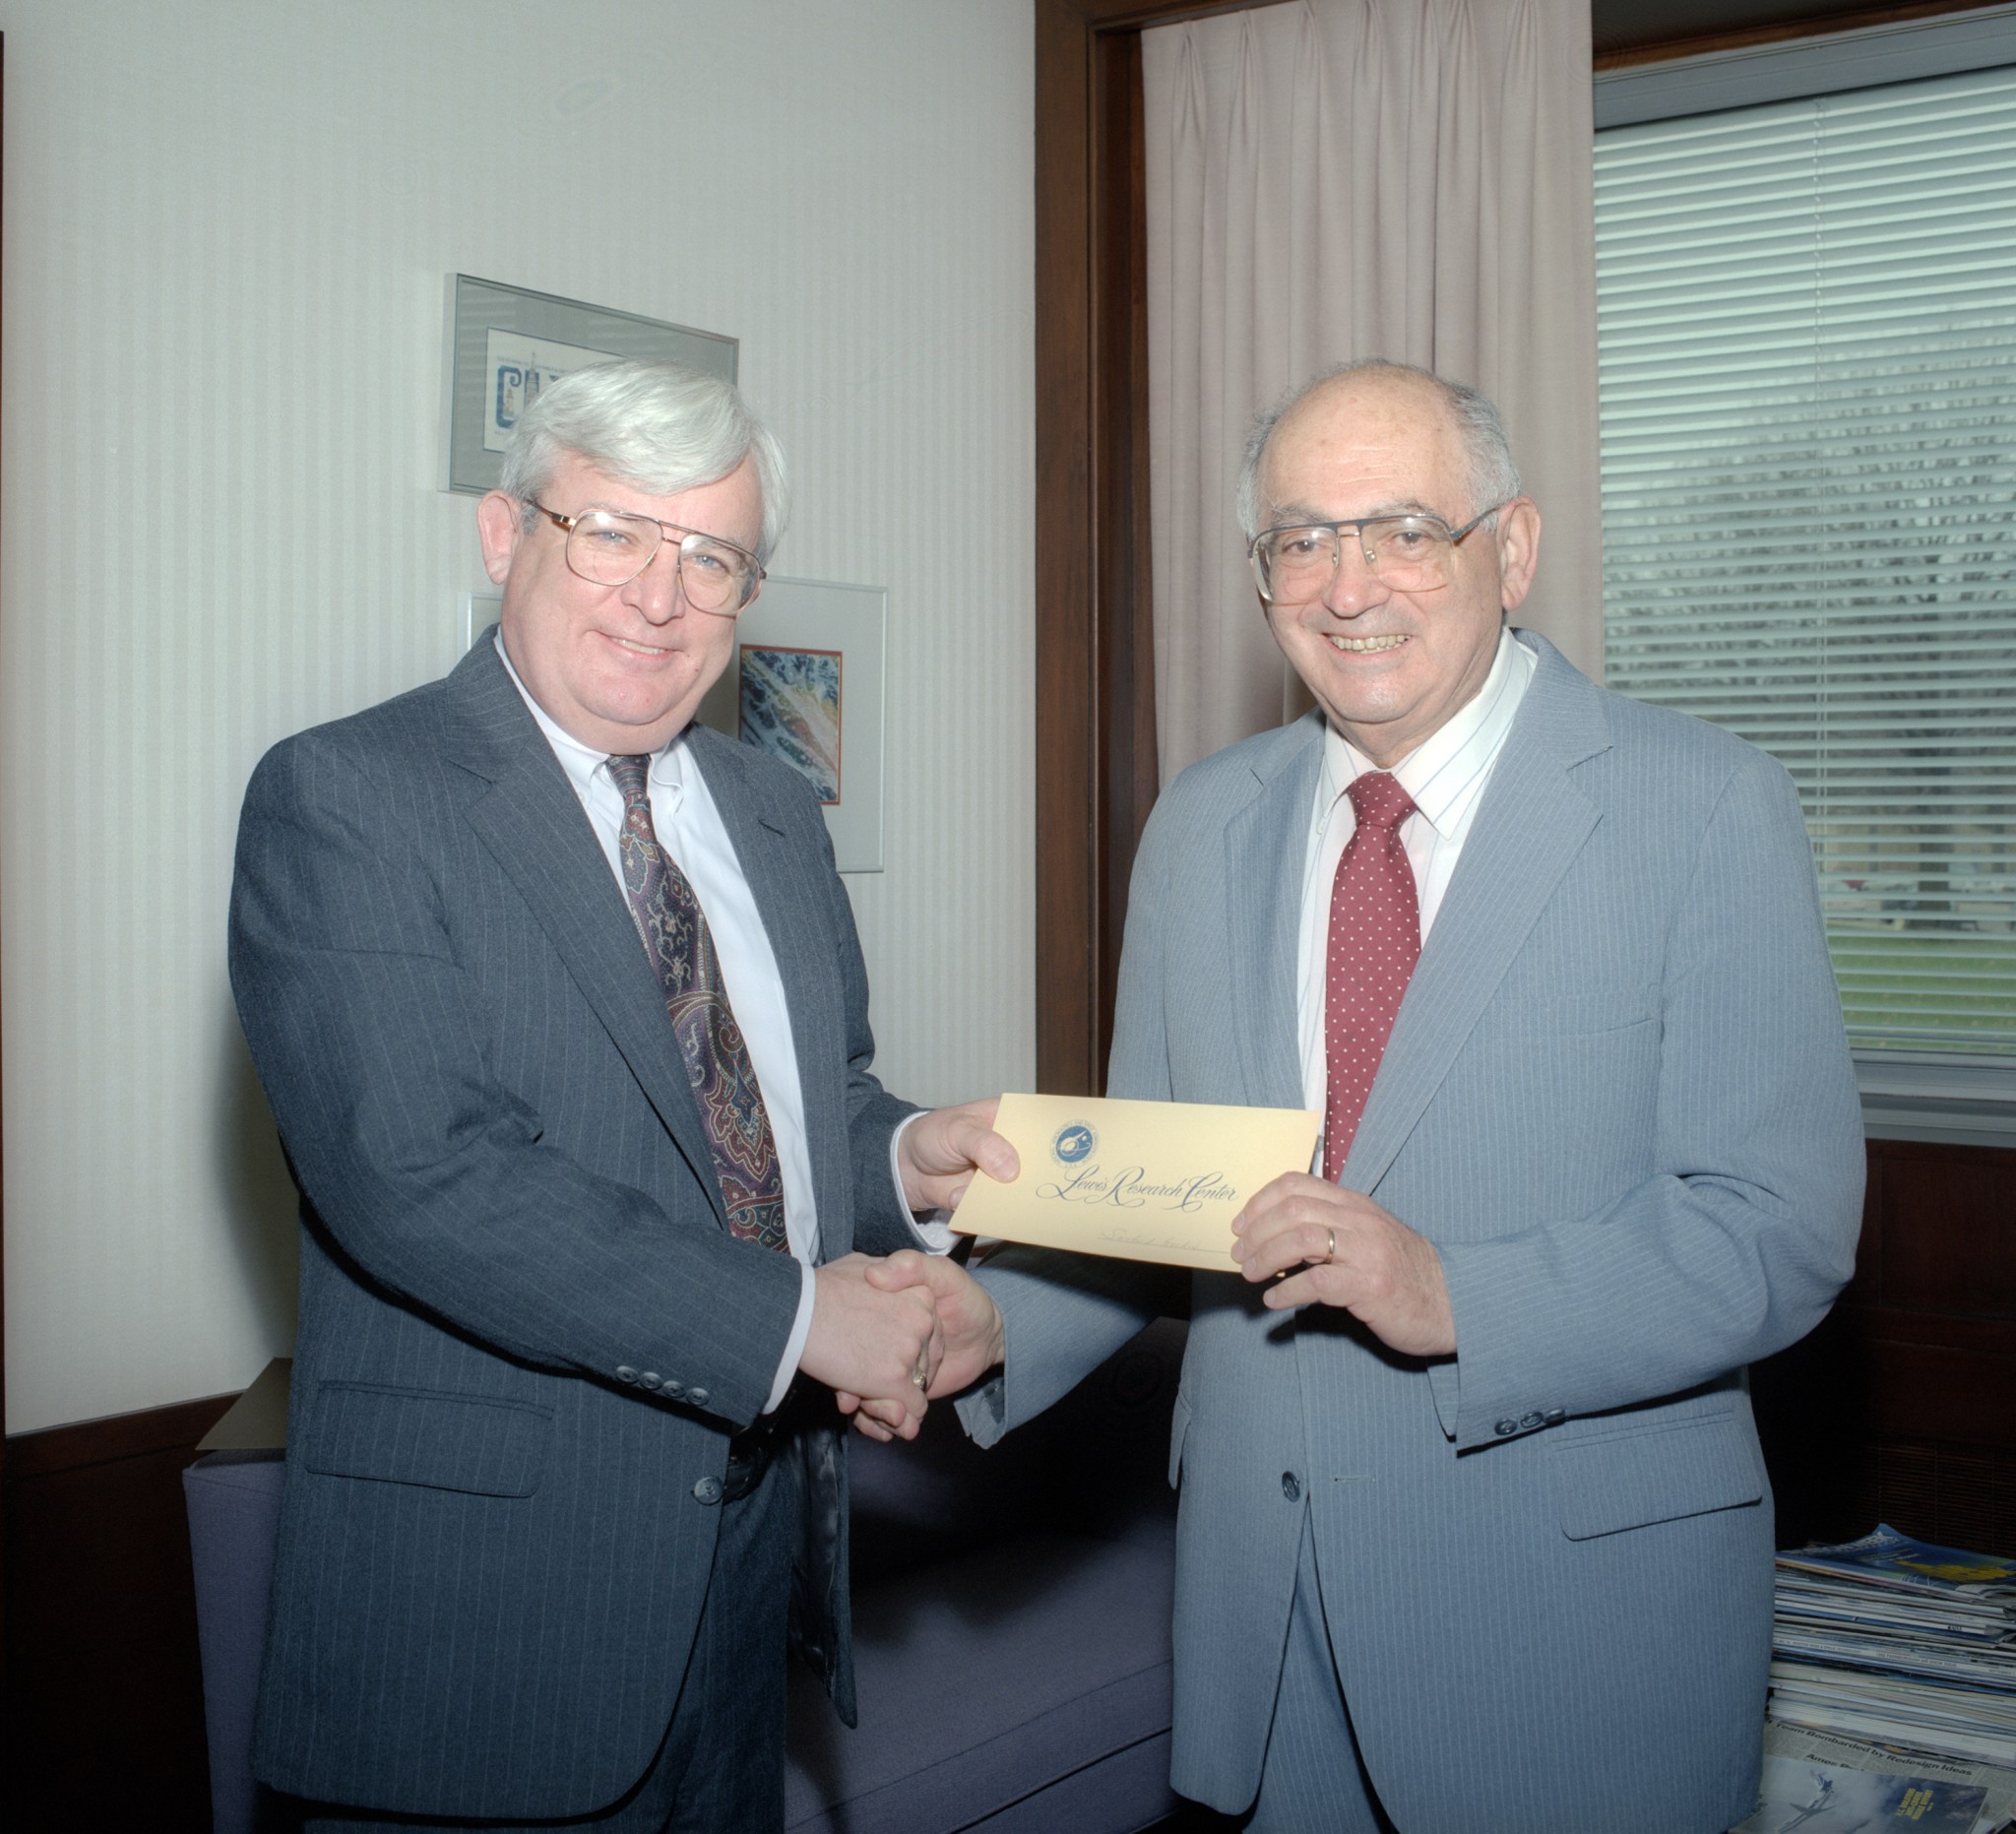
(1409, 554)
(611, 549)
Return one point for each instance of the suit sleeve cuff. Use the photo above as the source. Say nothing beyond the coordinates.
(794, 1345)
(932, 1228)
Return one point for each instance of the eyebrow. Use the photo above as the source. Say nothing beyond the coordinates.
(1303, 515)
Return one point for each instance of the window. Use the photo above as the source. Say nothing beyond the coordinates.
(1807, 355)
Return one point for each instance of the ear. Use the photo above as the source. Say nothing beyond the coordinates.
(1518, 550)
(498, 527)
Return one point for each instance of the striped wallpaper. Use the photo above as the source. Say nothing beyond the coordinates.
(227, 228)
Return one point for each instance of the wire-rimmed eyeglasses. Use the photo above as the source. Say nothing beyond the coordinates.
(611, 547)
(1296, 563)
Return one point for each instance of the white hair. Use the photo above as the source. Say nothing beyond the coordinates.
(661, 427)
(1493, 478)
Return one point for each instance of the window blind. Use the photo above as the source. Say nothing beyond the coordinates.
(1807, 358)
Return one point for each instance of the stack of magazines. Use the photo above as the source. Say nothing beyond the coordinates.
(1893, 1689)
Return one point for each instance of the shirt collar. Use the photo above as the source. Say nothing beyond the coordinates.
(1438, 771)
(582, 762)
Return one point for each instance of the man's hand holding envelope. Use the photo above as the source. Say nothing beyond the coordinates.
(1217, 1188)
(1145, 1180)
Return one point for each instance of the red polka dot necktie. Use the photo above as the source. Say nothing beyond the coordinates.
(1375, 939)
(711, 1044)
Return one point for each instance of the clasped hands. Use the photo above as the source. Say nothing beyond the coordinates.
(908, 1298)
(888, 1336)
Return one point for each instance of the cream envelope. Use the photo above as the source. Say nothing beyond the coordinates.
(1147, 1180)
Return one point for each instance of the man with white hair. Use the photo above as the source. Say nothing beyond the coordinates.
(558, 1003)
(1475, 1535)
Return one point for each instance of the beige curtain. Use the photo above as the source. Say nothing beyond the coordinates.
(1330, 179)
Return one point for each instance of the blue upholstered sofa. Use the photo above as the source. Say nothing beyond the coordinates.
(1011, 1623)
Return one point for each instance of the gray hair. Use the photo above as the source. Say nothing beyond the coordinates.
(660, 428)
(1493, 478)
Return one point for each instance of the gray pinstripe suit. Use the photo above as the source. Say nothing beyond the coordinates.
(1619, 1100)
(496, 1540)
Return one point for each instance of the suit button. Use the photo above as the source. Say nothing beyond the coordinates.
(1554, 1416)
(708, 1490)
(649, 1379)
(1506, 1429)
(1291, 1486)
(625, 1373)
(698, 1397)
(672, 1388)
(1532, 1420)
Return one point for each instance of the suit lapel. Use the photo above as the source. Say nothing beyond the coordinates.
(532, 824)
(1265, 853)
(786, 877)
(1528, 828)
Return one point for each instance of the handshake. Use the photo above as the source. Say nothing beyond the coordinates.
(888, 1336)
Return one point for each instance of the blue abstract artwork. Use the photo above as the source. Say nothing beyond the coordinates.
(790, 709)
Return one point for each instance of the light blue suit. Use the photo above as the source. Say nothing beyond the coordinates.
(1618, 1099)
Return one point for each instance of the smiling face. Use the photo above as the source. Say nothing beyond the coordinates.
(622, 669)
(1390, 667)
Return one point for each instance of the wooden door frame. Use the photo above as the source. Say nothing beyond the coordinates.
(3, 1203)
(1095, 662)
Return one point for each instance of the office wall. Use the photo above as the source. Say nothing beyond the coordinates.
(226, 227)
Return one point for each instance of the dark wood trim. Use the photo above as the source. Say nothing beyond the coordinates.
(1129, 772)
(1066, 537)
(103, 1686)
(1095, 720)
(3, 1149)
(1901, 1406)
(1130, 16)
(59, 1449)
(1755, 36)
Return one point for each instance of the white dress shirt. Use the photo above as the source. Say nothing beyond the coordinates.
(690, 830)
(1445, 775)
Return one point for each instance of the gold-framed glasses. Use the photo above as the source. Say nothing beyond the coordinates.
(1296, 563)
(611, 547)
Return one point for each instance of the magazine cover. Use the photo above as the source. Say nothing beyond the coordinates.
(1888, 1557)
(1798, 1797)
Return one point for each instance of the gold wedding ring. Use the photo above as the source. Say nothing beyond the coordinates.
(918, 1376)
(1332, 1256)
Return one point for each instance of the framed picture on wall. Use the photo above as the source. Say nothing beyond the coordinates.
(503, 343)
(807, 686)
